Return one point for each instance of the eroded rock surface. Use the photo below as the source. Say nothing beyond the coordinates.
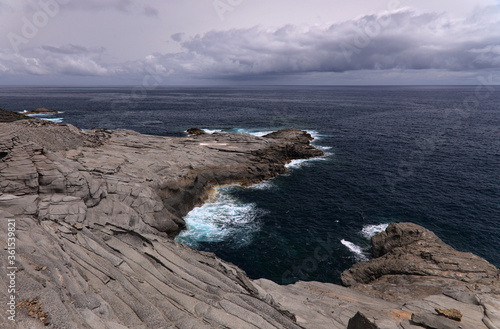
(415, 275)
(95, 211)
(412, 262)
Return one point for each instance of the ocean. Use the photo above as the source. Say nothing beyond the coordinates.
(423, 154)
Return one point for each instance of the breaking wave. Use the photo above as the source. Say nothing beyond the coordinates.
(359, 253)
(369, 231)
(224, 219)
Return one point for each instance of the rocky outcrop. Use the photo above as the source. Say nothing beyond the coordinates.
(94, 211)
(319, 305)
(417, 281)
(195, 131)
(137, 182)
(106, 277)
(41, 110)
(412, 262)
(9, 116)
(324, 305)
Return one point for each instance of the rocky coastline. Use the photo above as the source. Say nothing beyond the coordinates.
(95, 213)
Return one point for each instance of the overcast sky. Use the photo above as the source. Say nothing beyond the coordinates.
(226, 42)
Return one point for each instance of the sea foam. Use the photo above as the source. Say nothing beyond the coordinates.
(264, 185)
(225, 218)
(55, 120)
(44, 116)
(359, 253)
(369, 231)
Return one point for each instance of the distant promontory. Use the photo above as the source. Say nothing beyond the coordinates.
(41, 110)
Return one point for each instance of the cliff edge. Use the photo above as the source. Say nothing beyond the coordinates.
(414, 281)
(94, 212)
(91, 216)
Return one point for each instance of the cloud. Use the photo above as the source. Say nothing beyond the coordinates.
(403, 40)
(178, 37)
(48, 60)
(5, 8)
(73, 49)
(400, 40)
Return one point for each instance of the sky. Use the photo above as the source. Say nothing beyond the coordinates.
(249, 42)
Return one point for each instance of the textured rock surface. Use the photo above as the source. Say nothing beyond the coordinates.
(325, 305)
(406, 282)
(412, 262)
(450, 313)
(94, 212)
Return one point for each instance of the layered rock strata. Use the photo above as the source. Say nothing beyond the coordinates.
(413, 280)
(412, 262)
(95, 212)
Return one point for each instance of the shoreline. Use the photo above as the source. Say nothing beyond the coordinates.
(215, 192)
(95, 212)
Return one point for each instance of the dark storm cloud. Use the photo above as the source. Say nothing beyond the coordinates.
(402, 40)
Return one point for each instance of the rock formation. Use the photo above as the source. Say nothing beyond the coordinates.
(195, 131)
(95, 212)
(415, 281)
(412, 262)
(41, 110)
(9, 116)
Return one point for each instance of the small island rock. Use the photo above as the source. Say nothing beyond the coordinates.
(196, 131)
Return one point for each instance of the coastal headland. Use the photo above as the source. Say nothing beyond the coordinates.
(87, 226)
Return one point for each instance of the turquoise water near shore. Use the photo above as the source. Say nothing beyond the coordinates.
(429, 155)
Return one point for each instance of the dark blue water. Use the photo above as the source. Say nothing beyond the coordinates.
(429, 155)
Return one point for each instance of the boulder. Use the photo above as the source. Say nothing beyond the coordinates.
(360, 321)
(196, 131)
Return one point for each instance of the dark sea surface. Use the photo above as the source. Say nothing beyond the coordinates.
(428, 155)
